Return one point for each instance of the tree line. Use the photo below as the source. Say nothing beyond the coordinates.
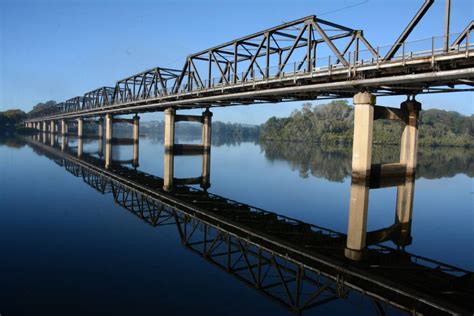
(333, 123)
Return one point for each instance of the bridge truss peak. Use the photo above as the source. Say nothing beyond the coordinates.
(288, 48)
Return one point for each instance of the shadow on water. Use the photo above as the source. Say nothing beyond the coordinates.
(297, 264)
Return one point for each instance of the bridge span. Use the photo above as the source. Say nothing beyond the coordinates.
(306, 59)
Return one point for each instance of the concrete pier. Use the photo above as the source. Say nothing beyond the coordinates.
(169, 129)
(136, 128)
(52, 127)
(108, 128)
(363, 131)
(80, 127)
(172, 149)
(63, 127)
(206, 129)
(45, 127)
(409, 138)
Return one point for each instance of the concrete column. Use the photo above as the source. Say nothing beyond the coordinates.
(169, 129)
(363, 129)
(100, 126)
(108, 154)
(136, 128)
(52, 127)
(357, 228)
(206, 129)
(45, 127)
(168, 175)
(404, 211)
(206, 170)
(80, 127)
(63, 127)
(409, 139)
(108, 128)
(80, 147)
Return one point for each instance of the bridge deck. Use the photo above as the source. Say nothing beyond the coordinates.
(228, 228)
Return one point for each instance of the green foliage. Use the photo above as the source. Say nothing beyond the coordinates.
(41, 106)
(333, 123)
(10, 118)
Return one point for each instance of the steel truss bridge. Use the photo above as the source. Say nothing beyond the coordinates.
(306, 59)
(294, 263)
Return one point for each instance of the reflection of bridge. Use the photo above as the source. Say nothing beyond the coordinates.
(297, 264)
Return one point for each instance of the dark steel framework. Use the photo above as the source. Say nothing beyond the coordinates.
(297, 264)
(304, 59)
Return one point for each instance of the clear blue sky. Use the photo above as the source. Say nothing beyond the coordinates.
(60, 49)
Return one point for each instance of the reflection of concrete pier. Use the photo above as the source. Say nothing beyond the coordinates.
(400, 232)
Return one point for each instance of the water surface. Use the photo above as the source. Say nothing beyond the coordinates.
(68, 249)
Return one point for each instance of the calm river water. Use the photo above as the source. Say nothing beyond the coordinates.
(67, 249)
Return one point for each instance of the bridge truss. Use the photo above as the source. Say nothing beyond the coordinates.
(309, 58)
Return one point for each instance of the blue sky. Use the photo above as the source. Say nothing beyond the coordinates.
(60, 49)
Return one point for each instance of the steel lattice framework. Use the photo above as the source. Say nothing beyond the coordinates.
(309, 58)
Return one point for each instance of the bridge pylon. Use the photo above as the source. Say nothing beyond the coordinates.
(172, 149)
(364, 115)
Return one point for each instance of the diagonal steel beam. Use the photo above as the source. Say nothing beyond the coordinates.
(331, 45)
